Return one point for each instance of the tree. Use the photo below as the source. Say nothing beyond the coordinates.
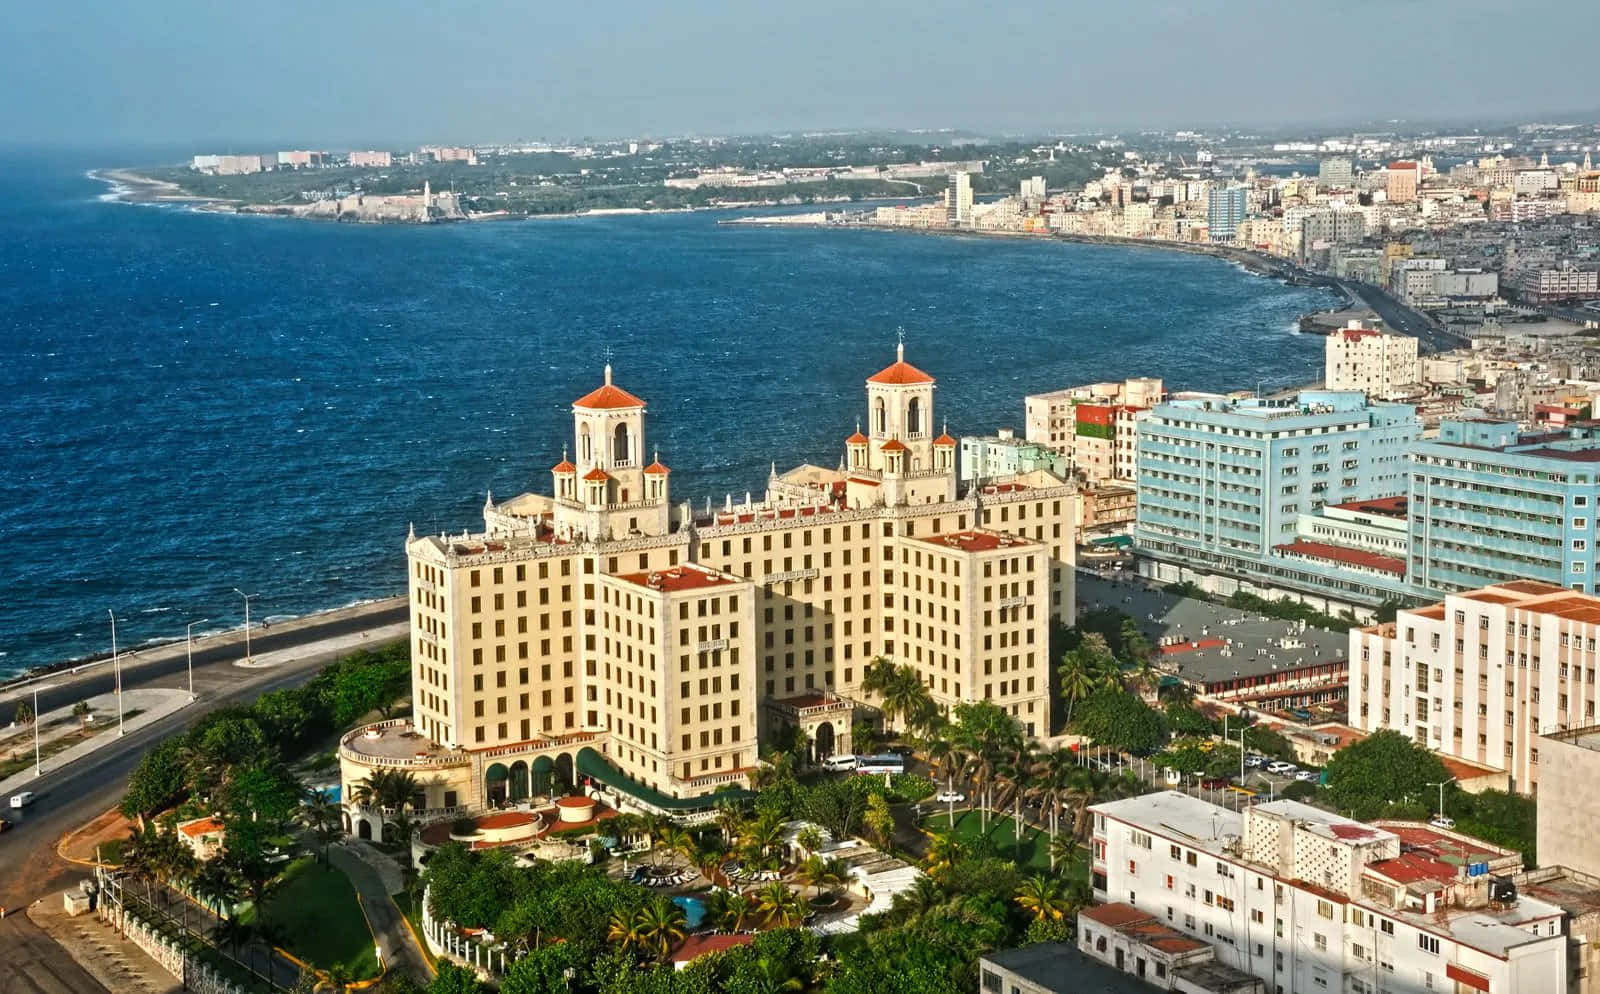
(1381, 769)
(155, 782)
(1083, 670)
(1121, 720)
(339, 978)
(661, 926)
(80, 711)
(319, 814)
(879, 820)
(779, 906)
(23, 715)
(215, 888)
(943, 853)
(453, 979)
(1042, 898)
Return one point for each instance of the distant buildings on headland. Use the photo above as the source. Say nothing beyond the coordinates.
(242, 165)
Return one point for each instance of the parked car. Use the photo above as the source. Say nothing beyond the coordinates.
(839, 762)
(1442, 821)
(950, 797)
(1253, 761)
(1306, 776)
(1280, 767)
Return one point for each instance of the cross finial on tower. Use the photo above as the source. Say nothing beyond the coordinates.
(607, 354)
(900, 346)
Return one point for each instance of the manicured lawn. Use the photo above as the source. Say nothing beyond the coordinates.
(318, 919)
(1033, 854)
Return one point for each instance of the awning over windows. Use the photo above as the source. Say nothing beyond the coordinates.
(594, 765)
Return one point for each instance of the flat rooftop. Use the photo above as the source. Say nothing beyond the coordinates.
(1056, 966)
(979, 541)
(1344, 555)
(1387, 507)
(398, 741)
(680, 578)
(1170, 813)
(1587, 737)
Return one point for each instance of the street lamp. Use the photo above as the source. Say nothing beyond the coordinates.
(1441, 785)
(247, 599)
(116, 668)
(38, 769)
(189, 639)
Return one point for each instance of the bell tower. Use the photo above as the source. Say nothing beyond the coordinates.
(606, 487)
(900, 409)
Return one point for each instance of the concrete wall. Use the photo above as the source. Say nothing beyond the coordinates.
(1569, 806)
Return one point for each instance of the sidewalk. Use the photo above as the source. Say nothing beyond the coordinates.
(341, 644)
(116, 963)
(153, 704)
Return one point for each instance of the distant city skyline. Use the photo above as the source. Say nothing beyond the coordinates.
(347, 74)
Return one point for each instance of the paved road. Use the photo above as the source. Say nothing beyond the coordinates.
(1400, 318)
(389, 929)
(66, 798)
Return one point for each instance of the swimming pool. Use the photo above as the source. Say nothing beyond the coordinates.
(694, 910)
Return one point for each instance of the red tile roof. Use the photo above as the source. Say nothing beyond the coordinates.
(1346, 831)
(1356, 334)
(596, 475)
(608, 397)
(201, 826)
(856, 439)
(656, 469)
(1193, 645)
(1341, 554)
(564, 466)
(1115, 915)
(1414, 868)
(677, 578)
(902, 373)
(944, 440)
(1389, 507)
(894, 445)
(977, 541)
(696, 946)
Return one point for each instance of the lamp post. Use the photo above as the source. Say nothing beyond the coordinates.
(189, 639)
(38, 769)
(1439, 815)
(247, 599)
(116, 669)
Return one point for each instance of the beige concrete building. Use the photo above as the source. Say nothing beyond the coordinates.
(604, 633)
(1377, 363)
(1482, 676)
(1051, 419)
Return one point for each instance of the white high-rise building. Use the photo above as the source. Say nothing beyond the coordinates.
(1377, 363)
(1312, 901)
(958, 199)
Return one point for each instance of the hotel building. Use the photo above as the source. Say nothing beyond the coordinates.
(1311, 901)
(1378, 363)
(602, 631)
(1481, 676)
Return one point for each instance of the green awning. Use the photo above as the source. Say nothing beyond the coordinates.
(593, 764)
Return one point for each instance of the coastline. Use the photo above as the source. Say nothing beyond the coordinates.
(128, 187)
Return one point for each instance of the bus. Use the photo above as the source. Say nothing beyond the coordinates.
(886, 763)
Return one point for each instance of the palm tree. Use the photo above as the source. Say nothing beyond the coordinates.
(733, 908)
(878, 676)
(813, 873)
(773, 977)
(339, 978)
(809, 838)
(1084, 669)
(1063, 850)
(1041, 897)
(661, 926)
(23, 715)
(908, 697)
(80, 711)
(838, 873)
(777, 904)
(980, 769)
(215, 888)
(709, 856)
(321, 816)
(944, 852)
(624, 929)
(730, 821)
(1015, 775)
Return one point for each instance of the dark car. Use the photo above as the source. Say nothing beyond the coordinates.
(1216, 783)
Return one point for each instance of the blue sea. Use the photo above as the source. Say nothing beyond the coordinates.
(195, 402)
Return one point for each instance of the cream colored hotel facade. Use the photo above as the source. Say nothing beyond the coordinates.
(601, 632)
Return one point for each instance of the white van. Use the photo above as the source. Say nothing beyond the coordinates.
(22, 799)
(842, 762)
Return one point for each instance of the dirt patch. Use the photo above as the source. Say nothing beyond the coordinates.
(79, 844)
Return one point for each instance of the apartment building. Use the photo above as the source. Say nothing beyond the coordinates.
(1483, 674)
(958, 199)
(1225, 209)
(984, 457)
(1308, 901)
(1489, 502)
(1109, 417)
(1401, 181)
(371, 159)
(1377, 363)
(1222, 484)
(603, 631)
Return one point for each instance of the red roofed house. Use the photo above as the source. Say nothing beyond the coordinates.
(203, 836)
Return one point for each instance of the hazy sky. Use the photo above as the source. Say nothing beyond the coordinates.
(340, 73)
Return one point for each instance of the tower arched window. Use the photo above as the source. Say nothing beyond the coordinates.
(585, 444)
(914, 418)
(880, 417)
(619, 446)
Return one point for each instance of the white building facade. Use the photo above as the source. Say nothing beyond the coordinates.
(1375, 362)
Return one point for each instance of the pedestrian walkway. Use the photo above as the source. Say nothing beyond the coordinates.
(117, 964)
(152, 703)
(338, 643)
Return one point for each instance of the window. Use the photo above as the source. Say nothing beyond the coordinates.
(1428, 943)
(1320, 941)
(1325, 909)
(1386, 926)
(991, 982)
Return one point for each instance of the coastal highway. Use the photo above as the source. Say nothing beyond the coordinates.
(1398, 317)
(72, 795)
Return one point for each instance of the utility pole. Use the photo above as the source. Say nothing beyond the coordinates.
(189, 639)
(248, 659)
(116, 668)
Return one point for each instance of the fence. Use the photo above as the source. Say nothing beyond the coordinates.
(446, 941)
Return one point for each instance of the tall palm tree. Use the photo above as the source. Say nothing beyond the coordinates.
(625, 929)
(735, 908)
(1054, 775)
(1086, 669)
(339, 978)
(1015, 775)
(815, 873)
(981, 769)
(708, 856)
(777, 904)
(321, 816)
(215, 888)
(1063, 850)
(1041, 897)
(661, 926)
(730, 821)
(944, 852)
(878, 676)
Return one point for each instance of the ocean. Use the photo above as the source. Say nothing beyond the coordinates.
(196, 402)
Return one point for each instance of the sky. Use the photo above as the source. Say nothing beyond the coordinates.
(340, 73)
